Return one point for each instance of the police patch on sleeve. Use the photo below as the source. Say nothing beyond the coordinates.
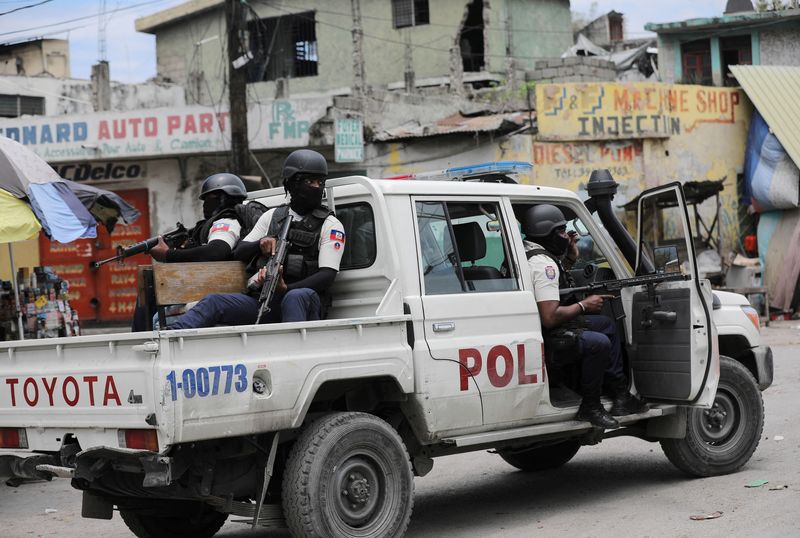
(220, 227)
(550, 271)
(337, 235)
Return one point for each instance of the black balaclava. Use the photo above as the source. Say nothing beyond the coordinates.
(305, 198)
(214, 204)
(555, 243)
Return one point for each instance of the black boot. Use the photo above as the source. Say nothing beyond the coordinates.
(593, 411)
(626, 403)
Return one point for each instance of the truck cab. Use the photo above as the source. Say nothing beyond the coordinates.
(432, 346)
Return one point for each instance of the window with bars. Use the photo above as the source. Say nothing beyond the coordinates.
(283, 47)
(410, 13)
(13, 106)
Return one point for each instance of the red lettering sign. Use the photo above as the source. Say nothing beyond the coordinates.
(471, 364)
(67, 390)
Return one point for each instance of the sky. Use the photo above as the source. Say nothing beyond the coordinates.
(132, 56)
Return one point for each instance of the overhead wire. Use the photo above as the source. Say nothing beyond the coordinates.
(24, 7)
(84, 17)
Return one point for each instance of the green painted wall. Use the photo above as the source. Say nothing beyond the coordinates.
(540, 29)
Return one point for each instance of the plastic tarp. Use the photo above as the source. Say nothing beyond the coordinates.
(772, 179)
(62, 215)
(778, 233)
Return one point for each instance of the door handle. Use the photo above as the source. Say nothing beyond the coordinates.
(444, 326)
(662, 315)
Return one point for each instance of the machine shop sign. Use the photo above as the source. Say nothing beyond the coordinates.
(110, 171)
(160, 132)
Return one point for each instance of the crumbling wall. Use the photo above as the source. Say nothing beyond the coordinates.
(573, 69)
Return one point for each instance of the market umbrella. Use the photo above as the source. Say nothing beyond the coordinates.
(105, 206)
(26, 176)
(17, 223)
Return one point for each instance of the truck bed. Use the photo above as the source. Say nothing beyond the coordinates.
(191, 384)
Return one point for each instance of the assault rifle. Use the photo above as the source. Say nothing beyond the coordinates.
(174, 239)
(273, 270)
(608, 286)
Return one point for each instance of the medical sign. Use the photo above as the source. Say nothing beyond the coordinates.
(349, 140)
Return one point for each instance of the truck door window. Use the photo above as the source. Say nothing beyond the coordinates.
(663, 239)
(359, 228)
(464, 248)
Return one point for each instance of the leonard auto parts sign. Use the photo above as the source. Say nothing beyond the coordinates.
(163, 131)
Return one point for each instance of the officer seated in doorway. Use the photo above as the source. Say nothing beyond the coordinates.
(575, 326)
(316, 240)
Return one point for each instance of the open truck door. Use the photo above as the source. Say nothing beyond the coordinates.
(673, 342)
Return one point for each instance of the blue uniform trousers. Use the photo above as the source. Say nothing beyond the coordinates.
(601, 356)
(300, 304)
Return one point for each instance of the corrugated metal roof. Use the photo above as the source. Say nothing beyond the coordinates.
(774, 91)
(456, 123)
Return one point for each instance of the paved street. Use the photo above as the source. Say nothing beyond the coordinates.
(624, 487)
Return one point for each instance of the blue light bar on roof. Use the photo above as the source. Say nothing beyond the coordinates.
(473, 170)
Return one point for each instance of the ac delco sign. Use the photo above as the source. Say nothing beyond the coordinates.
(101, 171)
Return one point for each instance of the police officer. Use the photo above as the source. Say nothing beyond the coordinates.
(551, 253)
(317, 242)
(212, 238)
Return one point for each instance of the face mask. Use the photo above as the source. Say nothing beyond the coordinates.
(305, 198)
(210, 206)
(556, 244)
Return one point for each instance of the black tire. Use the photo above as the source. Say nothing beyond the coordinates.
(348, 475)
(173, 519)
(541, 458)
(722, 439)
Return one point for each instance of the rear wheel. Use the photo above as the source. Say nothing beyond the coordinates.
(348, 475)
(541, 458)
(722, 439)
(173, 519)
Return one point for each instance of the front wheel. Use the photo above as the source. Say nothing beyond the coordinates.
(348, 475)
(173, 519)
(722, 439)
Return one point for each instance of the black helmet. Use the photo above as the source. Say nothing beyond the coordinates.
(304, 161)
(542, 219)
(230, 184)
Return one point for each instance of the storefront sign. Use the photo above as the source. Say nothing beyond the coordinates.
(561, 162)
(349, 140)
(608, 110)
(85, 172)
(163, 131)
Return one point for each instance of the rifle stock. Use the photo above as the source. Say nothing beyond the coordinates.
(273, 270)
(173, 239)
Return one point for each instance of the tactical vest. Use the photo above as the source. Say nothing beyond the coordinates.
(302, 259)
(247, 216)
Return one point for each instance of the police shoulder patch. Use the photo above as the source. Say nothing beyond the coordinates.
(550, 272)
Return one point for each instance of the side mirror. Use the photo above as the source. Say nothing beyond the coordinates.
(666, 259)
(493, 226)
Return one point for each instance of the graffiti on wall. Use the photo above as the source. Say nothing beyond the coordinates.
(609, 110)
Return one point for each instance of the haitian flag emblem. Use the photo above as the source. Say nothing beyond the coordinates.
(336, 235)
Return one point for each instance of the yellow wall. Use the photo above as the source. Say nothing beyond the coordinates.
(647, 134)
(26, 254)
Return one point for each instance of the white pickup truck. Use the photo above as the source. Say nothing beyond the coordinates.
(432, 346)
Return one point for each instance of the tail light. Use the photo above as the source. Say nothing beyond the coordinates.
(13, 438)
(140, 439)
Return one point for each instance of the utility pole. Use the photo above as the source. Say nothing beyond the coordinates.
(358, 53)
(237, 89)
(510, 71)
(409, 61)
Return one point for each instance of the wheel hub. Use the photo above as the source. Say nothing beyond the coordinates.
(358, 487)
(719, 423)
